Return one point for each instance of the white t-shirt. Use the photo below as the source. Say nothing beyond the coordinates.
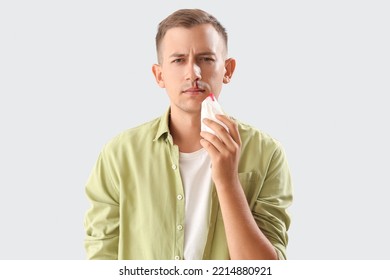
(196, 177)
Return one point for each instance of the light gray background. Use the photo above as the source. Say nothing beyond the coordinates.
(313, 74)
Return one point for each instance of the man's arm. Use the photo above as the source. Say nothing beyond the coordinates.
(244, 237)
(102, 219)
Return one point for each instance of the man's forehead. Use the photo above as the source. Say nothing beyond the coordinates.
(202, 31)
(202, 37)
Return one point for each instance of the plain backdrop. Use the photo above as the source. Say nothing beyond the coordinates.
(313, 74)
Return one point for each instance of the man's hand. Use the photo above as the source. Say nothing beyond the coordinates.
(224, 150)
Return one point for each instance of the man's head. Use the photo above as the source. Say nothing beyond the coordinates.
(192, 54)
(188, 18)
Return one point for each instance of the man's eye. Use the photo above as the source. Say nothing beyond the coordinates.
(207, 59)
(178, 60)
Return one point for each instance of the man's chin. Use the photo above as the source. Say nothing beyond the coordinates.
(191, 108)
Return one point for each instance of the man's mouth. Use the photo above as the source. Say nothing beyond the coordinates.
(194, 91)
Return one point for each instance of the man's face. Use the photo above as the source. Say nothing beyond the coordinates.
(192, 65)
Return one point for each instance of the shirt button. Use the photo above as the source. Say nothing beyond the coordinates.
(174, 166)
(179, 227)
(179, 197)
(177, 258)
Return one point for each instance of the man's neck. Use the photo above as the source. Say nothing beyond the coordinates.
(185, 131)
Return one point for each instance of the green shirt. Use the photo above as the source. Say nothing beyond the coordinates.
(137, 198)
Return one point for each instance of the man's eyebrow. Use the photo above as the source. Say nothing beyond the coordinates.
(206, 53)
(177, 55)
(198, 54)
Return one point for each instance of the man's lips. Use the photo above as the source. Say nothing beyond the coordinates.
(194, 90)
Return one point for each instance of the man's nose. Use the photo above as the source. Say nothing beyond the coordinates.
(193, 72)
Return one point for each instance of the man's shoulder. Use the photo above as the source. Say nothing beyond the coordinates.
(258, 148)
(251, 133)
(137, 135)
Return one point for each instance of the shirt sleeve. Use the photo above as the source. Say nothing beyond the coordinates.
(275, 197)
(101, 221)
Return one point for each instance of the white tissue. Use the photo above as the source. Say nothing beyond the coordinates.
(211, 107)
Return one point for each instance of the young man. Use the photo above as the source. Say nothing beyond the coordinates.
(166, 190)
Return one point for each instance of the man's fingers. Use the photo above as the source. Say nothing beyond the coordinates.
(233, 128)
(213, 140)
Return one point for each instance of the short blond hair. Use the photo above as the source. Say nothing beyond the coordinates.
(188, 18)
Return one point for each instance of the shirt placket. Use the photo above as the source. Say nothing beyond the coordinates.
(180, 204)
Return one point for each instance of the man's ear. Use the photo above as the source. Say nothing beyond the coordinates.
(230, 65)
(156, 69)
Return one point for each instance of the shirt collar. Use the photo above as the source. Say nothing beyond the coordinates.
(163, 126)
